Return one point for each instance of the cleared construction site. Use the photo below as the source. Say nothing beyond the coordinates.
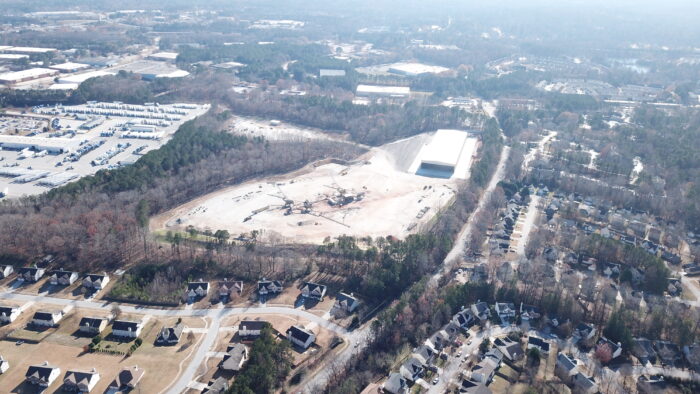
(379, 194)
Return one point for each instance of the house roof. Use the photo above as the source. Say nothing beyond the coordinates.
(584, 329)
(7, 310)
(346, 299)
(269, 284)
(219, 385)
(314, 287)
(95, 277)
(539, 342)
(48, 316)
(667, 351)
(128, 377)
(227, 285)
(233, 358)
(125, 325)
(583, 380)
(299, 333)
(565, 361)
(40, 372)
(396, 383)
(81, 377)
(252, 325)
(198, 285)
(171, 333)
(63, 273)
(93, 322)
(471, 387)
(413, 366)
(481, 307)
(613, 346)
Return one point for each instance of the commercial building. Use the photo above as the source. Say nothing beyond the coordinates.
(69, 67)
(16, 77)
(440, 157)
(164, 56)
(415, 69)
(80, 78)
(28, 50)
(383, 91)
(38, 144)
(150, 70)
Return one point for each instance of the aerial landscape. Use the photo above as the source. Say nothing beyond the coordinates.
(286, 196)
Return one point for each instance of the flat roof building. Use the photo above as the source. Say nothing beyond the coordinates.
(69, 67)
(415, 69)
(164, 56)
(51, 145)
(12, 78)
(444, 153)
(28, 50)
(80, 78)
(383, 91)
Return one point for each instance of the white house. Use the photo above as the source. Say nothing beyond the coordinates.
(62, 277)
(82, 382)
(300, 336)
(250, 329)
(95, 282)
(6, 270)
(346, 302)
(46, 319)
(234, 358)
(313, 290)
(4, 365)
(9, 314)
(42, 375)
(126, 329)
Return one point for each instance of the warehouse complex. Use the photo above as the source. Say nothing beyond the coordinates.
(383, 91)
(16, 77)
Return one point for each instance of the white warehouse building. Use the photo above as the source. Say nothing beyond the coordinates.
(447, 155)
(38, 144)
(383, 91)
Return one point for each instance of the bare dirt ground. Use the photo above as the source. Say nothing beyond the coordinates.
(394, 202)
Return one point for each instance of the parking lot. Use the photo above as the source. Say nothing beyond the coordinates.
(95, 136)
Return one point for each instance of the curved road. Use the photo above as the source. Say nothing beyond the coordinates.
(190, 373)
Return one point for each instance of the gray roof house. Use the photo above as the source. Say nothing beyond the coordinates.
(313, 290)
(266, 287)
(62, 277)
(346, 302)
(30, 274)
(80, 381)
(93, 325)
(412, 369)
(481, 310)
(169, 336)
(234, 358)
(42, 375)
(396, 384)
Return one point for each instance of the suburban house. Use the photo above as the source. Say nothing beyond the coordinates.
(266, 287)
(566, 368)
(615, 348)
(505, 311)
(300, 336)
(692, 356)
(216, 386)
(484, 371)
(62, 278)
(469, 386)
(438, 340)
(412, 369)
(30, 274)
(535, 342)
(4, 365)
(425, 354)
(46, 319)
(529, 312)
(481, 311)
(42, 375)
(464, 318)
(197, 289)
(126, 329)
(346, 302)
(512, 350)
(93, 325)
(234, 358)
(250, 329)
(8, 314)
(396, 384)
(313, 290)
(584, 384)
(227, 286)
(95, 282)
(82, 382)
(584, 331)
(6, 270)
(669, 353)
(643, 349)
(127, 379)
(170, 335)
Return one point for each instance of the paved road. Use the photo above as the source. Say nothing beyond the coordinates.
(190, 373)
(457, 252)
(528, 224)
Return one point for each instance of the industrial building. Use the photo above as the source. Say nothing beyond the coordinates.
(16, 77)
(440, 157)
(150, 70)
(12, 57)
(80, 78)
(415, 69)
(164, 56)
(69, 67)
(27, 50)
(383, 91)
(38, 144)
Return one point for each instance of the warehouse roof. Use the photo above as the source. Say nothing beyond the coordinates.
(70, 66)
(29, 73)
(388, 90)
(80, 78)
(445, 148)
(29, 50)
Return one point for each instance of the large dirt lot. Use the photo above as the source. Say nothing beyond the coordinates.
(391, 200)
